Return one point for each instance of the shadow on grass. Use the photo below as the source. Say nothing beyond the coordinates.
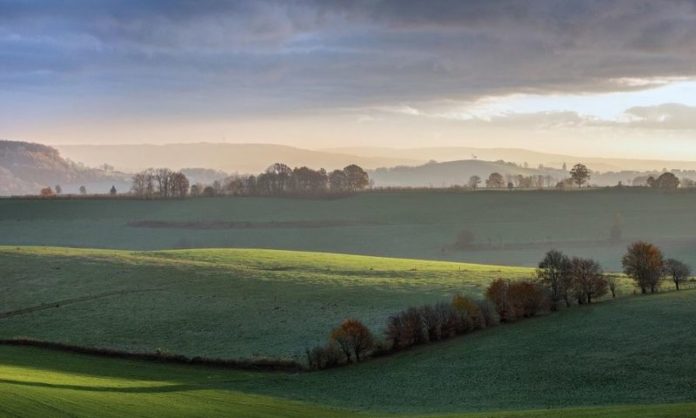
(138, 389)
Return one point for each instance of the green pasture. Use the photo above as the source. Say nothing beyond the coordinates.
(632, 357)
(231, 303)
(511, 228)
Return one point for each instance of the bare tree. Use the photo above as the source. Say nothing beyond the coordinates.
(677, 271)
(83, 190)
(179, 184)
(588, 279)
(474, 182)
(554, 274)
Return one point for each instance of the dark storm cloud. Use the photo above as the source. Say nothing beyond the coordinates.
(279, 55)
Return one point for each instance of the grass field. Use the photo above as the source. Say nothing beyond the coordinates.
(515, 227)
(220, 303)
(636, 354)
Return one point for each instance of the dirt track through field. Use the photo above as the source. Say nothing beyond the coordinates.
(63, 302)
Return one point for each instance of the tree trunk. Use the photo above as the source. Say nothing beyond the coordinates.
(677, 283)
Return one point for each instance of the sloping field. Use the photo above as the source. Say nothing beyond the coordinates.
(231, 303)
(636, 353)
(511, 228)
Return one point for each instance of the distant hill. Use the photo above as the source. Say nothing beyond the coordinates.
(452, 173)
(26, 167)
(517, 155)
(232, 158)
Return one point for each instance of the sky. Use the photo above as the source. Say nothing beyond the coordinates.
(586, 77)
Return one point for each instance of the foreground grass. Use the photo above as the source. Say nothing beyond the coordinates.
(630, 358)
(230, 303)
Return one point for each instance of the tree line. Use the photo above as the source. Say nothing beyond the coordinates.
(559, 282)
(279, 179)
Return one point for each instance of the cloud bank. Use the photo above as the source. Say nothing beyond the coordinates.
(270, 56)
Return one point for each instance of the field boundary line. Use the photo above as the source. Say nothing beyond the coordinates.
(253, 364)
(63, 302)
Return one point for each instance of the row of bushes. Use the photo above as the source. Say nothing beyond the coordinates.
(352, 341)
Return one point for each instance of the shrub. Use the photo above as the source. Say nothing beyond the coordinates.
(488, 313)
(468, 308)
(517, 299)
(497, 293)
(324, 357)
(526, 298)
(406, 328)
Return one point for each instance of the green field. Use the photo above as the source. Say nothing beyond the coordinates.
(629, 357)
(514, 228)
(636, 353)
(221, 303)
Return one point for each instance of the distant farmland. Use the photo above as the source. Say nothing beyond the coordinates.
(512, 228)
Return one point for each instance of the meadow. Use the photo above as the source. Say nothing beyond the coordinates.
(626, 358)
(510, 228)
(231, 303)
(104, 273)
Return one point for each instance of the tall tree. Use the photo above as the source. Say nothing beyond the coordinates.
(580, 174)
(644, 263)
(354, 339)
(356, 177)
(338, 181)
(495, 181)
(666, 181)
(554, 274)
(588, 279)
(178, 184)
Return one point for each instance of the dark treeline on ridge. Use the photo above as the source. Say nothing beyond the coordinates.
(278, 180)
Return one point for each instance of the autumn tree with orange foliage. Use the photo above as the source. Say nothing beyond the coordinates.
(353, 338)
(644, 263)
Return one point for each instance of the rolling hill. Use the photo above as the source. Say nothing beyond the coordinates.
(232, 158)
(518, 156)
(453, 173)
(26, 167)
(219, 303)
(631, 358)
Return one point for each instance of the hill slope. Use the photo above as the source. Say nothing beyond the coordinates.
(25, 168)
(453, 173)
(216, 303)
(233, 158)
(518, 156)
(636, 353)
